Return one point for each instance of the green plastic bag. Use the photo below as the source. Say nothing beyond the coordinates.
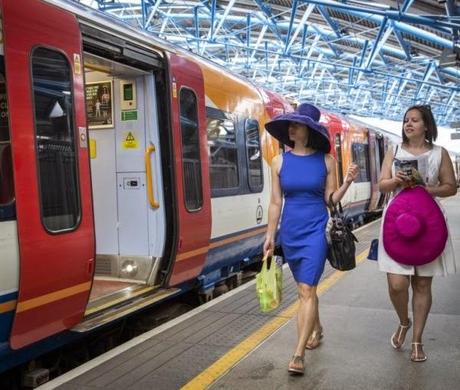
(269, 285)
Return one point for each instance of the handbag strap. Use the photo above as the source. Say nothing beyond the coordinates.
(333, 207)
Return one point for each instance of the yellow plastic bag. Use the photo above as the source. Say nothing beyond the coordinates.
(269, 285)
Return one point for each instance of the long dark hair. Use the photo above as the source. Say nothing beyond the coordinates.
(428, 120)
(317, 142)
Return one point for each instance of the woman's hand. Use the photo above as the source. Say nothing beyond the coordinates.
(269, 246)
(352, 173)
(401, 179)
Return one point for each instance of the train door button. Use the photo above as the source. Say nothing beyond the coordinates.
(131, 183)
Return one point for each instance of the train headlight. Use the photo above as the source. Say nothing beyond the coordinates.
(129, 268)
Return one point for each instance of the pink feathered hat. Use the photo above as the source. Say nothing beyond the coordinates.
(414, 228)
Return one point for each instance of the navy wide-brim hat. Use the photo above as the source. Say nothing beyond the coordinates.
(305, 114)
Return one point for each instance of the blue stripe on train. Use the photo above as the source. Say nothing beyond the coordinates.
(6, 319)
(226, 260)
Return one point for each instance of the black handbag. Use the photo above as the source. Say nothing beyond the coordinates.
(341, 241)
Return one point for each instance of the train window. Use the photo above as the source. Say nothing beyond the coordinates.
(55, 140)
(360, 156)
(191, 163)
(223, 152)
(254, 155)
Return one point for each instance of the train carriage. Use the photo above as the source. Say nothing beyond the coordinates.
(131, 171)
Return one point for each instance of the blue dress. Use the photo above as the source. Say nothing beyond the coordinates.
(303, 223)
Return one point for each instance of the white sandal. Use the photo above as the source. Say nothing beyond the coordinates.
(399, 332)
(414, 356)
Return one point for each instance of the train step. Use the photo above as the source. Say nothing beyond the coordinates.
(113, 313)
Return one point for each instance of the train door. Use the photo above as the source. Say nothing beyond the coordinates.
(51, 169)
(125, 155)
(9, 253)
(374, 169)
(192, 168)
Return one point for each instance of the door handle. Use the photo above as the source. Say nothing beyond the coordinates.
(148, 171)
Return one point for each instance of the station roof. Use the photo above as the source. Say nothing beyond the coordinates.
(368, 58)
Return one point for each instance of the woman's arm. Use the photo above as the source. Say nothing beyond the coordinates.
(274, 208)
(388, 183)
(331, 180)
(446, 186)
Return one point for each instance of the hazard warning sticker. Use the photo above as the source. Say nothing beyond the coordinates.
(130, 141)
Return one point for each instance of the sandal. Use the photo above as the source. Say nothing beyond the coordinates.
(399, 343)
(315, 339)
(296, 365)
(415, 353)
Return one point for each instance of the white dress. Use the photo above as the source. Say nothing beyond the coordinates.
(444, 264)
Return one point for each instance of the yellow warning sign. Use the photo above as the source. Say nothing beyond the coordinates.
(77, 63)
(130, 141)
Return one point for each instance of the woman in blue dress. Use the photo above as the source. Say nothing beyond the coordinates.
(305, 177)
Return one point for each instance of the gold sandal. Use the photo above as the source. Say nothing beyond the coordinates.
(315, 339)
(296, 365)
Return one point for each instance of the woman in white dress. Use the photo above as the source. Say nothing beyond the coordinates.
(418, 132)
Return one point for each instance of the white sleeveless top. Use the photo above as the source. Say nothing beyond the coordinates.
(444, 264)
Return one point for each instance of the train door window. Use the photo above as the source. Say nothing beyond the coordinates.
(223, 153)
(253, 155)
(55, 140)
(7, 209)
(191, 163)
(360, 155)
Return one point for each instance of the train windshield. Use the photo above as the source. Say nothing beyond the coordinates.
(7, 207)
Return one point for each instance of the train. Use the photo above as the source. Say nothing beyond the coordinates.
(131, 172)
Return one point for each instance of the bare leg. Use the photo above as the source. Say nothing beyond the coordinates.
(398, 286)
(317, 321)
(421, 305)
(307, 315)
(317, 333)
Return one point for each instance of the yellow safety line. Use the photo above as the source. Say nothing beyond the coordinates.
(232, 357)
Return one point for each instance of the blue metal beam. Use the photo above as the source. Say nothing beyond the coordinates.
(213, 17)
(337, 52)
(451, 11)
(331, 22)
(436, 22)
(151, 13)
(439, 75)
(351, 71)
(228, 8)
(269, 17)
(301, 24)
(291, 22)
(450, 100)
(377, 44)
(426, 76)
(404, 45)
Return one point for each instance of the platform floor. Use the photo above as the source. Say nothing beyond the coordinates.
(229, 344)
